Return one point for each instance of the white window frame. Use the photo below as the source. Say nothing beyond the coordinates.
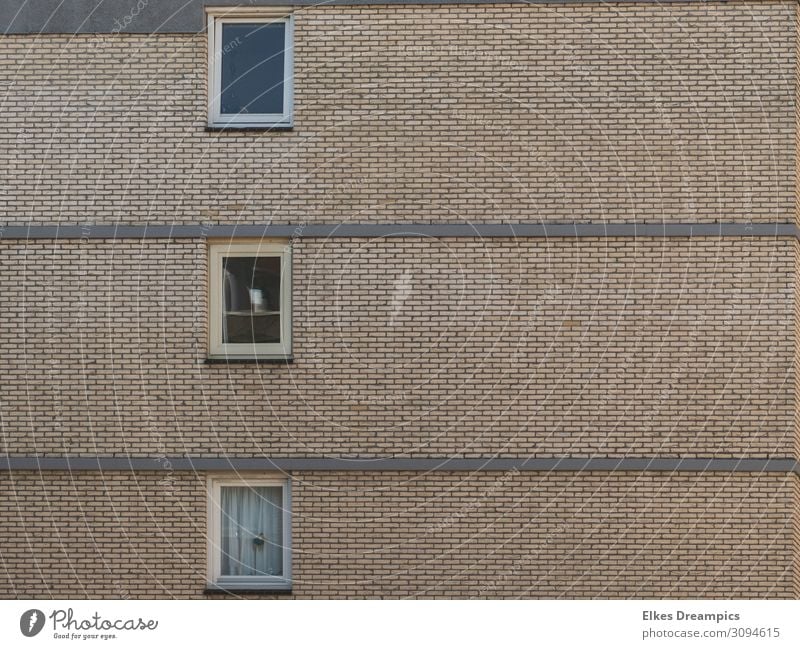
(227, 582)
(216, 347)
(219, 16)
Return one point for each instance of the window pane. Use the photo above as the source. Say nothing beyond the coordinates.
(252, 531)
(252, 67)
(251, 288)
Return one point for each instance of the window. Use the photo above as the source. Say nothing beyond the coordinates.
(249, 539)
(250, 58)
(250, 300)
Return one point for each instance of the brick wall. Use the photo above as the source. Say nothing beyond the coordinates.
(615, 112)
(793, 334)
(796, 537)
(408, 535)
(533, 535)
(409, 346)
(416, 347)
(102, 535)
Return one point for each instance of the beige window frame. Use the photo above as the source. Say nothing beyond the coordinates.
(218, 16)
(216, 347)
(214, 577)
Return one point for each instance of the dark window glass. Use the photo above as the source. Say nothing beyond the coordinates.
(252, 67)
(251, 288)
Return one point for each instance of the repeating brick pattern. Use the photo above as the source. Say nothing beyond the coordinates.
(796, 327)
(797, 112)
(796, 537)
(619, 112)
(551, 536)
(408, 535)
(796, 342)
(102, 535)
(411, 347)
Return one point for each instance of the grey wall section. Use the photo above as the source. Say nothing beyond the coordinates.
(176, 16)
(102, 16)
(544, 230)
(573, 464)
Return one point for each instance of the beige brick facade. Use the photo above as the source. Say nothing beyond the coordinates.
(415, 347)
(410, 535)
(501, 346)
(618, 112)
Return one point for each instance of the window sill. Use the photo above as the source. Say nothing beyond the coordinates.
(213, 128)
(212, 589)
(250, 360)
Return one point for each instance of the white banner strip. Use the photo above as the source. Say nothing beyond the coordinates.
(401, 624)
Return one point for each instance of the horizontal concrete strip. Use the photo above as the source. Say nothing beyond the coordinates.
(570, 464)
(479, 230)
(180, 16)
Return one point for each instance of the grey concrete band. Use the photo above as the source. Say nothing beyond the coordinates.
(569, 464)
(369, 230)
(179, 16)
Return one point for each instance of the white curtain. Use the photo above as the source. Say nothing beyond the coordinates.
(252, 531)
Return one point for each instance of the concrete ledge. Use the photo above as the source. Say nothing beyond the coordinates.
(255, 360)
(255, 590)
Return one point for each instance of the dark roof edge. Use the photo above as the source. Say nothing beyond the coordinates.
(18, 17)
